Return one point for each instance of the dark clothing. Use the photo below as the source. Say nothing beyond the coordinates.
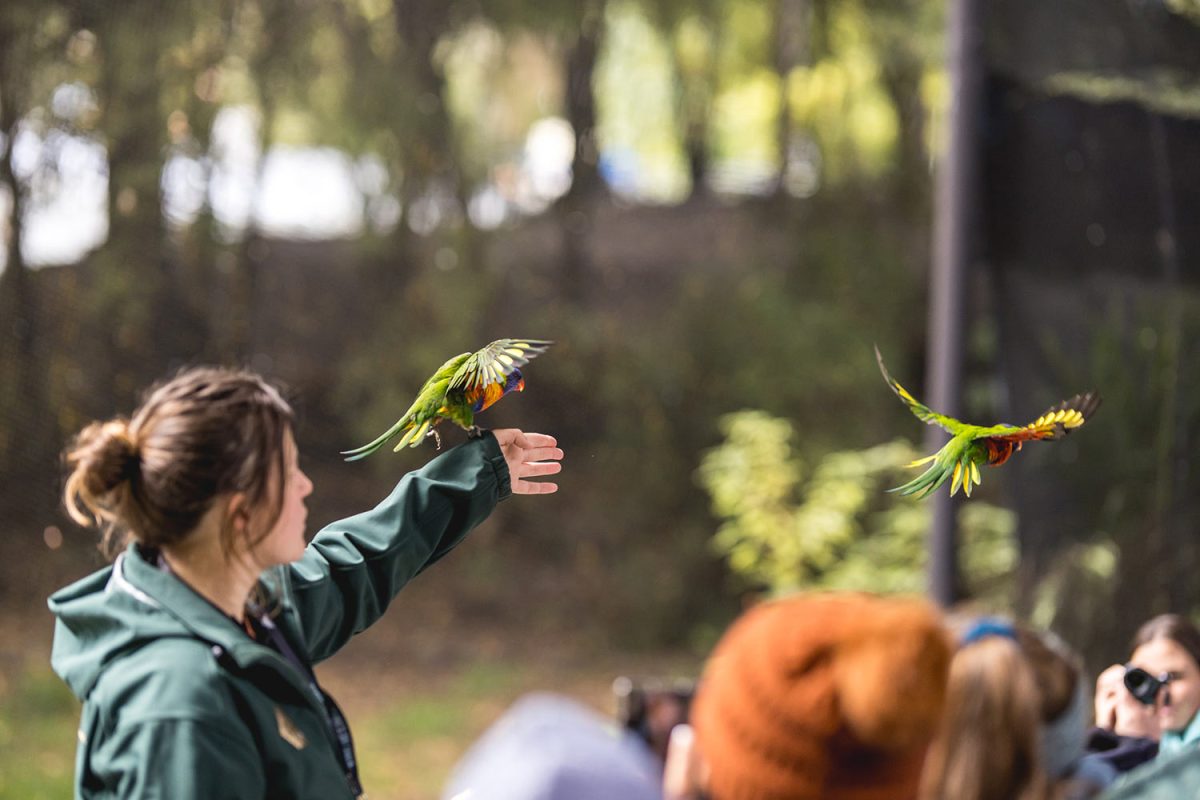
(180, 703)
(1123, 753)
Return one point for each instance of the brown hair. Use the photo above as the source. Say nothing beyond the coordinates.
(1002, 690)
(1055, 668)
(1176, 627)
(207, 432)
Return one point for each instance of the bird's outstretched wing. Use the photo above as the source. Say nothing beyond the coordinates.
(919, 409)
(1056, 422)
(482, 377)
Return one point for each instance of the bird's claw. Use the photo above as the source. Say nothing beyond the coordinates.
(474, 432)
(437, 437)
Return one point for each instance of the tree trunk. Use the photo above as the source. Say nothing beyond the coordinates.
(138, 317)
(793, 23)
(696, 84)
(580, 99)
(901, 74)
(25, 437)
(430, 161)
(573, 209)
(27, 440)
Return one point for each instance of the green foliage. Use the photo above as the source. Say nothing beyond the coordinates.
(787, 525)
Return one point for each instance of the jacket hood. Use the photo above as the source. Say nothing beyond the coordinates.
(116, 611)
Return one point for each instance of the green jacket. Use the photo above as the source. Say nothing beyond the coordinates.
(1174, 776)
(1176, 741)
(178, 703)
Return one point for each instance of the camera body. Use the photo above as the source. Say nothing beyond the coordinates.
(653, 708)
(1144, 686)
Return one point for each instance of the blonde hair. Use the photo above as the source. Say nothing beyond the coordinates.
(205, 433)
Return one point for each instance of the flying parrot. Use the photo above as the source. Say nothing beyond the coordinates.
(460, 389)
(973, 445)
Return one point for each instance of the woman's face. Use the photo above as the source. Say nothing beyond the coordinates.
(1165, 656)
(285, 543)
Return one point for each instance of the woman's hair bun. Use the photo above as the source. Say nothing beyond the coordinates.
(104, 458)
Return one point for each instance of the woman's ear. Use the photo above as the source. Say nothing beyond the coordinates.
(237, 512)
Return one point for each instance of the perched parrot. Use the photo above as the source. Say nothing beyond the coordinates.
(460, 389)
(973, 445)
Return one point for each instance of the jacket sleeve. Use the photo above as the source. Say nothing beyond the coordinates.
(353, 568)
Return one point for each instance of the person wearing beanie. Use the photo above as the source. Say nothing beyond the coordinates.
(831, 696)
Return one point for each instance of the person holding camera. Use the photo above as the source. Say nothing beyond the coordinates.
(1163, 673)
(1165, 667)
(1126, 732)
(1124, 703)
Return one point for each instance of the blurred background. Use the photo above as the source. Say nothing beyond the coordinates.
(715, 208)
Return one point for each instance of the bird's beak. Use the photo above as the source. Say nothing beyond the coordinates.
(521, 385)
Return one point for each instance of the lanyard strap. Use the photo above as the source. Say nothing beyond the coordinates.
(266, 633)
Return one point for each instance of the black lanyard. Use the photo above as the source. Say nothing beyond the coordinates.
(266, 633)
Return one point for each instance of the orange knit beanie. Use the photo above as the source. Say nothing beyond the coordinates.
(823, 697)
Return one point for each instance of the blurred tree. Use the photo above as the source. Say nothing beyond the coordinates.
(430, 173)
(192, 95)
(577, 30)
(907, 40)
(276, 42)
(32, 36)
(793, 22)
(582, 49)
(692, 29)
(144, 315)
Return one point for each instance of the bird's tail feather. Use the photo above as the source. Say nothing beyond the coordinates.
(412, 437)
(925, 483)
(370, 447)
(963, 474)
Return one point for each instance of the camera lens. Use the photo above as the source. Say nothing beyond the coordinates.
(1142, 685)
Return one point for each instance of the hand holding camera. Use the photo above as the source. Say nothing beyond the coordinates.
(1146, 687)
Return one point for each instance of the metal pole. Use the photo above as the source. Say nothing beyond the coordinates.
(956, 198)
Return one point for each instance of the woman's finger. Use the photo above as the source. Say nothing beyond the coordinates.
(539, 440)
(536, 469)
(519, 438)
(533, 487)
(542, 454)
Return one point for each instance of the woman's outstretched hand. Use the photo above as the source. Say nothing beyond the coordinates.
(529, 455)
